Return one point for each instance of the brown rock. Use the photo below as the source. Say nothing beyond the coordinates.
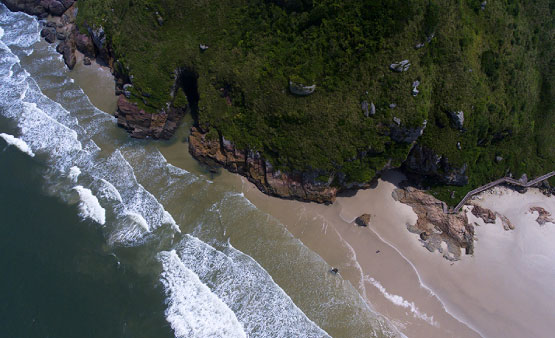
(218, 151)
(49, 34)
(436, 224)
(56, 8)
(543, 215)
(507, 225)
(363, 220)
(67, 49)
(486, 215)
(83, 43)
(141, 124)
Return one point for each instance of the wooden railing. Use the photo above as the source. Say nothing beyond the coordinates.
(497, 182)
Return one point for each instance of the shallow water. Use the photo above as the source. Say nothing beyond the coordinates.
(109, 237)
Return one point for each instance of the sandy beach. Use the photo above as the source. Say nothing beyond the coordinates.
(503, 290)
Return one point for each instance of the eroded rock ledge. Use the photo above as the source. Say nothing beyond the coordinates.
(141, 124)
(218, 151)
(435, 226)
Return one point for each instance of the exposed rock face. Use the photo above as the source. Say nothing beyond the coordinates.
(543, 215)
(363, 220)
(415, 90)
(399, 67)
(301, 89)
(486, 215)
(83, 43)
(300, 186)
(67, 49)
(424, 161)
(507, 225)
(49, 34)
(141, 124)
(405, 134)
(458, 118)
(40, 8)
(437, 225)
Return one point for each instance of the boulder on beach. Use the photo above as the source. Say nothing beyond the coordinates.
(363, 220)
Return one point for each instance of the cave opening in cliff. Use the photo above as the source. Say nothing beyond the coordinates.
(187, 79)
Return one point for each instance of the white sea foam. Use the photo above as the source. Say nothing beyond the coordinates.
(89, 206)
(259, 303)
(18, 143)
(74, 173)
(400, 301)
(138, 220)
(107, 191)
(193, 310)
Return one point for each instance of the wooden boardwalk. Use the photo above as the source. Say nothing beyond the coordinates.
(497, 182)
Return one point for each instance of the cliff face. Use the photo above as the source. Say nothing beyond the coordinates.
(301, 186)
(141, 124)
(424, 161)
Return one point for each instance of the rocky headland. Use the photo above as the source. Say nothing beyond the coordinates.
(142, 118)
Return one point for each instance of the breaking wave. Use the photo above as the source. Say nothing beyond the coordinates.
(18, 143)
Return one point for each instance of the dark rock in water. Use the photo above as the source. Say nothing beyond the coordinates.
(67, 49)
(56, 8)
(31, 7)
(86, 61)
(49, 34)
(363, 220)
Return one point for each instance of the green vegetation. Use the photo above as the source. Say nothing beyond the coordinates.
(496, 65)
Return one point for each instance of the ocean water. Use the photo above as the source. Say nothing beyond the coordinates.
(103, 237)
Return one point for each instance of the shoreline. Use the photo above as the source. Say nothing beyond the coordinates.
(389, 286)
(470, 274)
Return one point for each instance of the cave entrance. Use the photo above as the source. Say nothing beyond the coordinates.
(187, 80)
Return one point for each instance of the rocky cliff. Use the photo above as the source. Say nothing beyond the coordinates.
(217, 151)
(141, 124)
